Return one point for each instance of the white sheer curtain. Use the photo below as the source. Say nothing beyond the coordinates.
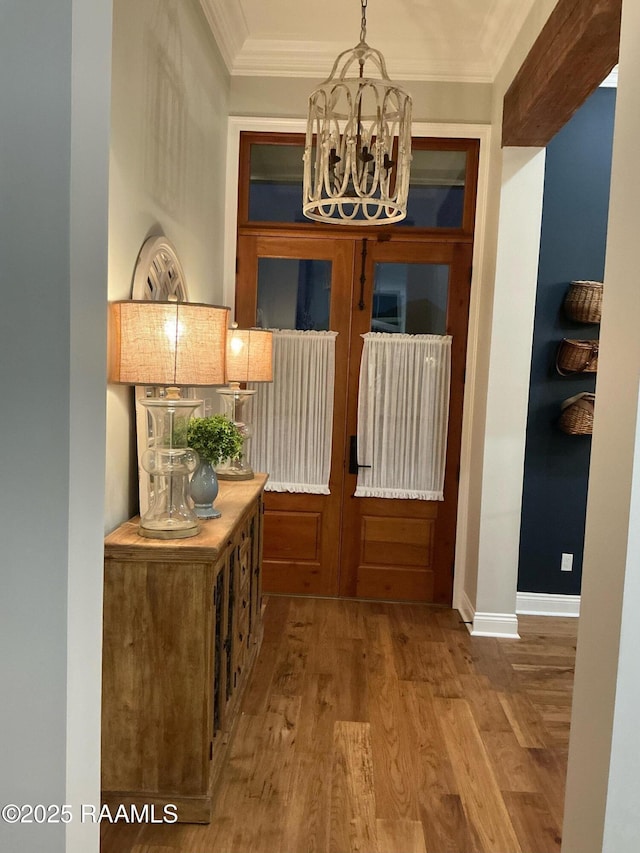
(293, 415)
(403, 411)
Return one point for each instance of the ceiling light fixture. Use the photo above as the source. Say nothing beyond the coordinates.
(358, 145)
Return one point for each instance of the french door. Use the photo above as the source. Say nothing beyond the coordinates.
(301, 539)
(340, 544)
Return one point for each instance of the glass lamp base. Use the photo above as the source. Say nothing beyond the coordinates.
(237, 408)
(169, 462)
(235, 473)
(235, 469)
(168, 530)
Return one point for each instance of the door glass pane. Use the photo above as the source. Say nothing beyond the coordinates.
(436, 189)
(275, 185)
(410, 298)
(294, 293)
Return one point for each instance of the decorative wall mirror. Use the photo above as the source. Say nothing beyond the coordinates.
(158, 273)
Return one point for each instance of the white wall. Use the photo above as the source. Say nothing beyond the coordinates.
(168, 150)
(497, 452)
(602, 810)
(90, 91)
(54, 96)
(514, 296)
(287, 97)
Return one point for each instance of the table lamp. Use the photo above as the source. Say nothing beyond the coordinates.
(249, 359)
(168, 344)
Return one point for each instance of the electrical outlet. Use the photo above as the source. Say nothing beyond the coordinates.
(566, 564)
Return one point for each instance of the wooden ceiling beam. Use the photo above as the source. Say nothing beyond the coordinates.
(575, 51)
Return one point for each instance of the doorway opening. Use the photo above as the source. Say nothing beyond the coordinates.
(411, 279)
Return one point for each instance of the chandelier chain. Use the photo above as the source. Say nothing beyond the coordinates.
(363, 22)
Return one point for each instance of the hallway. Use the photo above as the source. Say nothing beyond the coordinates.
(387, 728)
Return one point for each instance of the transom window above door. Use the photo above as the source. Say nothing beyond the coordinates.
(441, 172)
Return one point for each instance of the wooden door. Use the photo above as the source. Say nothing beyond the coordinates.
(397, 548)
(301, 539)
(339, 544)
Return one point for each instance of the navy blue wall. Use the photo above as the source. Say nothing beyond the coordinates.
(574, 224)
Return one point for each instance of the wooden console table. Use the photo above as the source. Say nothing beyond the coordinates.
(182, 628)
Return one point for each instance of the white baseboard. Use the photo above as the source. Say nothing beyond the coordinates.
(487, 624)
(547, 604)
(495, 625)
(465, 609)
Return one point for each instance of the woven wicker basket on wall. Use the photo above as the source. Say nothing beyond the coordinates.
(577, 414)
(577, 357)
(583, 301)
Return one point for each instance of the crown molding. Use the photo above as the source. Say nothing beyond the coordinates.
(229, 28)
(285, 58)
(245, 56)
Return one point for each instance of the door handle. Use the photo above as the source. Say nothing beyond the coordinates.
(353, 456)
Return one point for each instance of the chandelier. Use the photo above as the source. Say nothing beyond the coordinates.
(358, 145)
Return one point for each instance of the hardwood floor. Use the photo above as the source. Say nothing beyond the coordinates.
(387, 728)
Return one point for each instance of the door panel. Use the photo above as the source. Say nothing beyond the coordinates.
(297, 557)
(392, 549)
(293, 282)
(390, 583)
(404, 549)
(294, 533)
(397, 541)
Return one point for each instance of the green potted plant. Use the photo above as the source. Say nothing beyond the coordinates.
(214, 439)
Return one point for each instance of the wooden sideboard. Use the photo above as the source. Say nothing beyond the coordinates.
(182, 628)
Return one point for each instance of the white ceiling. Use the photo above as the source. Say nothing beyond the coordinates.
(459, 40)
